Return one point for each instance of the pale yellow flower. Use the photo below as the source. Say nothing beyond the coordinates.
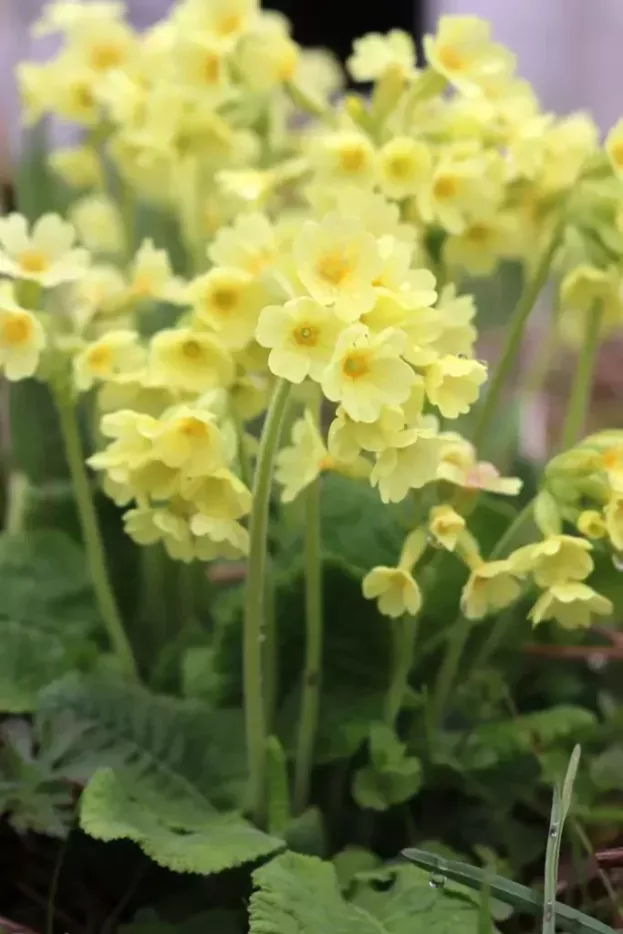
(592, 524)
(147, 526)
(395, 591)
(458, 465)
(22, 337)
(375, 54)
(572, 604)
(453, 384)
(151, 276)
(78, 166)
(337, 261)
(188, 438)
(462, 51)
(492, 586)
(484, 243)
(229, 301)
(347, 438)
(219, 494)
(556, 559)
(267, 57)
(214, 538)
(613, 515)
(455, 314)
(366, 372)
(446, 525)
(409, 464)
(344, 157)
(302, 335)
(405, 165)
(614, 147)
(248, 244)
(190, 360)
(300, 463)
(46, 255)
(115, 352)
(98, 222)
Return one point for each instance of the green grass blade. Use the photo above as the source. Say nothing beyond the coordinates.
(560, 808)
(511, 893)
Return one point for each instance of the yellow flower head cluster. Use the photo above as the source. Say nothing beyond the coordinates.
(325, 255)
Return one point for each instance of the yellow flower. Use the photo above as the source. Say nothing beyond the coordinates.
(446, 525)
(115, 352)
(405, 164)
(192, 361)
(98, 223)
(483, 243)
(614, 521)
(78, 166)
(366, 372)
(458, 465)
(614, 147)
(226, 20)
(21, 338)
(301, 463)
(151, 276)
(229, 301)
(216, 538)
(592, 524)
(374, 55)
(344, 157)
(409, 465)
(219, 494)
(249, 244)
(348, 438)
(571, 604)
(453, 383)
(202, 63)
(491, 586)
(147, 526)
(455, 314)
(187, 438)
(557, 558)
(462, 51)
(302, 336)
(267, 57)
(394, 589)
(102, 290)
(337, 261)
(46, 255)
(376, 214)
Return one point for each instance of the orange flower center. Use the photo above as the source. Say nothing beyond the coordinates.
(445, 187)
(306, 335)
(106, 55)
(212, 69)
(192, 350)
(224, 298)
(355, 365)
(99, 358)
(451, 58)
(352, 158)
(16, 329)
(228, 23)
(478, 233)
(333, 268)
(33, 261)
(192, 427)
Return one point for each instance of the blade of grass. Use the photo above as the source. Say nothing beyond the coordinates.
(560, 808)
(511, 893)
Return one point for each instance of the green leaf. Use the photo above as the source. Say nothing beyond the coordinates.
(148, 921)
(356, 658)
(356, 526)
(381, 789)
(352, 861)
(174, 748)
(301, 895)
(606, 769)
(176, 833)
(306, 833)
(47, 614)
(386, 750)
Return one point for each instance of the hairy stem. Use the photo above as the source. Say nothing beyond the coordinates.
(404, 635)
(94, 547)
(579, 403)
(255, 617)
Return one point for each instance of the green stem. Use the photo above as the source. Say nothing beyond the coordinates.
(461, 629)
(244, 456)
(313, 648)
(579, 402)
(255, 621)
(404, 635)
(94, 547)
(531, 291)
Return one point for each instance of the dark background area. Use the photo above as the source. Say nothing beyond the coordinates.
(334, 24)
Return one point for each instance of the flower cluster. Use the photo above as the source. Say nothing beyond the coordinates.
(324, 256)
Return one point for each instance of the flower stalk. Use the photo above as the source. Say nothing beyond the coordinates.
(256, 622)
(579, 403)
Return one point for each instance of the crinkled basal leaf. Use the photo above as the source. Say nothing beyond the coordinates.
(356, 526)
(176, 833)
(301, 895)
(176, 749)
